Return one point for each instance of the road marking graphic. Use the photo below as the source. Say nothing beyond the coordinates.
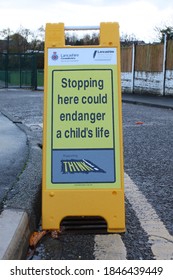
(160, 239)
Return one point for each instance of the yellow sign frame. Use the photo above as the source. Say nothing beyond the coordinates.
(102, 197)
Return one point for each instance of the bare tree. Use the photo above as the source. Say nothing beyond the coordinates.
(168, 30)
(128, 39)
(6, 32)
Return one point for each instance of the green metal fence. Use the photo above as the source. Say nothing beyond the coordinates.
(21, 70)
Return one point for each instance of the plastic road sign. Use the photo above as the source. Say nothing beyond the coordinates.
(82, 148)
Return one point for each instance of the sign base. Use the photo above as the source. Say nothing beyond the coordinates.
(107, 204)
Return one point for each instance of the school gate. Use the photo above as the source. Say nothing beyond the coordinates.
(21, 70)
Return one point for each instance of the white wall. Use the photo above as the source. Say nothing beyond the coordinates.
(126, 81)
(147, 82)
(169, 83)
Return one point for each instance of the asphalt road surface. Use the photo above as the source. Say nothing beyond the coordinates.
(148, 166)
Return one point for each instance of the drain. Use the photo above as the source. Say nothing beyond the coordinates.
(85, 224)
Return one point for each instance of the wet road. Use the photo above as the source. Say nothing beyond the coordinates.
(148, 161)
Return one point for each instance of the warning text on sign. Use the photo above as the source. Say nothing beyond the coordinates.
(82, 105)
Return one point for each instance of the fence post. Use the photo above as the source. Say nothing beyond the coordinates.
(20, 69)
(133, 68)
(34, 71)
(164, 64)
(6, 69)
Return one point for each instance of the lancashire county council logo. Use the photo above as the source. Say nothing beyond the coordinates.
(103, 55)
(54, 56)
(79, 166)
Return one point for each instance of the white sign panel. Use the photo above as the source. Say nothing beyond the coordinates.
(76, 56)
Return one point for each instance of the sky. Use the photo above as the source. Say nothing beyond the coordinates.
(138, 17)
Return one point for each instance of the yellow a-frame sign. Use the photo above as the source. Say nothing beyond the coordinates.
(82, 130)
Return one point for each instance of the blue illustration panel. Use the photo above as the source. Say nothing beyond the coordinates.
(83, 166)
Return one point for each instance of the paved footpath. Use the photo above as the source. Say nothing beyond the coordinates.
(20, 187)
(13, 151)
(149, 100)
